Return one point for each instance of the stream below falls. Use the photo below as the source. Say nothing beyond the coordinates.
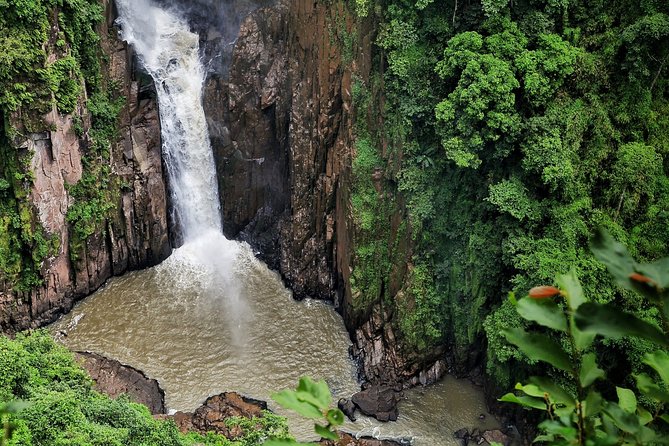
(201, 330)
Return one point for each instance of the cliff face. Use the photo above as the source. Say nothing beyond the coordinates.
(134, 234)
(282, 136)
(282, 123)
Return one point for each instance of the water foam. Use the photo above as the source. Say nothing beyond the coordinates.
(169, 52)
(208, 266)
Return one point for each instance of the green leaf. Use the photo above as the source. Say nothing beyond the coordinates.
(512, 298)
(538, 347)
(289, 400)
(658, 271)
(648, 387)
(647, 435)
(611, 322)
(571, 289)
(555, 393)
(589, 370)
(544, 438)
(621, 266)
(324, 432)
(558, 429)
(531, 390)
(615, 256)
(525, 401)
(593, 403)
(335, 417)
(645, 417)
(659, 360)
(623, 420)
(582, 339)
(665, 418)
(314, 392)
(626, 399)
(544, 312)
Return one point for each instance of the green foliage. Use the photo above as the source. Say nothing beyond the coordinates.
(50, 54)
(588, 415)
(511, 196)
(94, 194)
(507, 132)
(421, 310)
(23, 243)
(311, 399)
(63, 409)
(481, 108)
(26, 33)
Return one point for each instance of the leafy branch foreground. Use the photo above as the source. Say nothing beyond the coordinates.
(312, 400)
(580, 408)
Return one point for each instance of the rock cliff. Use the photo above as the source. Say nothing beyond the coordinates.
(282, 117)
(282, 123)
(133, 235)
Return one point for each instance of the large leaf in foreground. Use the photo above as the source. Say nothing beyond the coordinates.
(611, 322)
(545, 313)
(649, 387)
(659, 360)
(288, 399)
(615, 256)
(589, 370)
(314, 392)
(572, 289)
(538, 347)
(526, 401)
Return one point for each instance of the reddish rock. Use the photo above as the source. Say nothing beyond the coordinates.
(349, 440)
(212, 414)
(496, 436)
(134, 236)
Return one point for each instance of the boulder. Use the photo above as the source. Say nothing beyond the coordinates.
(212, 414)
(379, 402)
(462, 435)
(496, 436)
(346, 439)
(348, 407)
(113, 378)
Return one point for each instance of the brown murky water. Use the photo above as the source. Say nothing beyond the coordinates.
(212, 318)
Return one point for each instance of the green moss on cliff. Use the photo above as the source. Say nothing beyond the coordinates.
(51, 57)
(23, 242)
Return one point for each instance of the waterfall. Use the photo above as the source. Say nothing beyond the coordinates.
(208, 267)
(169, 52)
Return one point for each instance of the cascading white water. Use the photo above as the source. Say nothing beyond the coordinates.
(169, 51)
(207, 263)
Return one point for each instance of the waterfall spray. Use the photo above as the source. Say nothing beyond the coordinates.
(207, 264)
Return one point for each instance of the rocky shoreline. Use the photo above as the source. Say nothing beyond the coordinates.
(114, 379)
